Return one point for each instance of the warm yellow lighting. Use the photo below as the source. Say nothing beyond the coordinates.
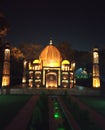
(59, 78)
(51, 63)
(38, 85)
(51, 80)
(30, 83)
(95, 57)
(73, 66)
(96, 82)
(64, 83)
(43, 77)
(7, 54)
(37, 67)
(25, 63)
(50, 56)
(65, 62)
(65, 73)
(24, 79)
(6, 68)
(37, 61)
(96, 72)
(30, 66)
(5, 81)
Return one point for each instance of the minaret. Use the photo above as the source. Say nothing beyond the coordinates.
(24, 72)
(96, 72)
(6, 66)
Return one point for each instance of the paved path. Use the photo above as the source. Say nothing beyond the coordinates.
(98, 118)
(52, 122)
(22, 119)
(70, 118)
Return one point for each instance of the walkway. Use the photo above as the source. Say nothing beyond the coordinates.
(98, 118)
(69, 116)
(52, 122)
(22, 119)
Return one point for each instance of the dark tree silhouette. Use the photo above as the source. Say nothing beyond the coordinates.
(4, 26)
(31, 51)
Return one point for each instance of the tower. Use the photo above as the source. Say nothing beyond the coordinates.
(24, 72)
(96, 72)
(6, 66)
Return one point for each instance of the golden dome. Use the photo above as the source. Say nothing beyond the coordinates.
(50, 56)
(37, 61)
(65, 62)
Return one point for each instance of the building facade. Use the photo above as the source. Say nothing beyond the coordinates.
(49, 71)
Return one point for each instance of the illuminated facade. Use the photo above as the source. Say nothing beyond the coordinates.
(6, 66)
(96, 73)
(49, 71)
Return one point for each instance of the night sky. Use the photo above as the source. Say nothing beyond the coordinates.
(82, 24)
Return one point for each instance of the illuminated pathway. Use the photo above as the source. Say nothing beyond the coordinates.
(56, 115)
(21, 121)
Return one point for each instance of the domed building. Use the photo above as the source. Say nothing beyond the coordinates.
(50, 70)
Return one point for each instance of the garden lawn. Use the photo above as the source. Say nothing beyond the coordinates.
(97, 103)
(9, 107)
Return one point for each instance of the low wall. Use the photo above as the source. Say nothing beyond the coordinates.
(59, 91)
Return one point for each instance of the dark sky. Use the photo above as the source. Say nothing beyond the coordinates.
(82, 24)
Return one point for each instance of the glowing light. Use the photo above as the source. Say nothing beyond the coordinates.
(30, 66)
(96, 73)
(57, 115)
(51, 79)
(95, 57)
(50, 42)
(24, 80)
(30, 83)
(72, 66)
(37, 61)
(50, 56)
(96, 82)
(7, 54)
(5, 81)
(65, 62)
(25, 63)
(59, 79)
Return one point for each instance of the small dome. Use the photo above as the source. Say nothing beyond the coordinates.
(50, 56)
(65, 62)
(37, 61)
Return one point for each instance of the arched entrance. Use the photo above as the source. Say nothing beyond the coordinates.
(51, 80)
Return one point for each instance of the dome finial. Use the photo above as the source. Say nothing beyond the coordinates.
(51, 42)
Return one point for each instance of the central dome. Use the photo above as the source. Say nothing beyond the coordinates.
(50, 56)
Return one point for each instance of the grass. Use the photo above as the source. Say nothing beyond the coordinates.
(81, 116)
(9, 107)
(40, 116)
(97, 103)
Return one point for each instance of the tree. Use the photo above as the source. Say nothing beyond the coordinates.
(16, 65)
(66, 51)
(3, 25)
(16, 53)
(31, 51)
